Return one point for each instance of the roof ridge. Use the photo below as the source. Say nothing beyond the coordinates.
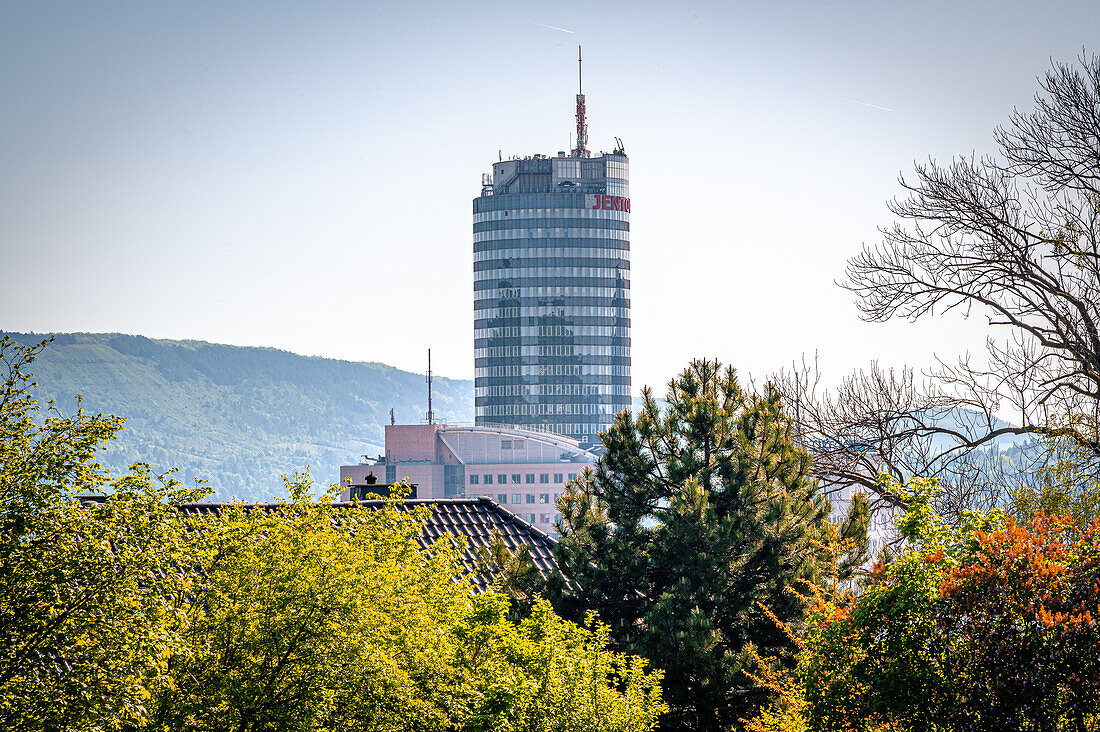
(475, 520)
(514, 517)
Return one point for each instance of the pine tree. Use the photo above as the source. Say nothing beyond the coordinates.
(694, 520)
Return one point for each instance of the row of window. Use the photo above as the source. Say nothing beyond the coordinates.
(554, 331)
(508, 331)
(502, 478)
(570, 168)
(515, 288)
(551, 311)
(618, 189)
(568, 221)
(523, 390)
(536, 199)
(552, 369)
(525, 245)
(582, 211)
(576, 430)
(485, 400)
(547, 267)
(617, 169)
(484, 326)
(555, 254)
(506, 268)
(549, 291)
(541, 351)
(574, 168)
(502, 267)
(576, 328)
(552, 232)
(577, 331)
(540, 410)
(543, 273)
(581, 431)
(554, 348)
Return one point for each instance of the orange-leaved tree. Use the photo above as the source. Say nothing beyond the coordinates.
(988, 625)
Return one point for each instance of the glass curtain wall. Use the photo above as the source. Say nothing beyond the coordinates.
(552, 295)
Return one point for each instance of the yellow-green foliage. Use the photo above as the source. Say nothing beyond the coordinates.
(1069, 483)
(134, 615)
(316, 617)
(89, 597)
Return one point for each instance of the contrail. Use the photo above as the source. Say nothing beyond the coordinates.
(551, 27)
(867, 104)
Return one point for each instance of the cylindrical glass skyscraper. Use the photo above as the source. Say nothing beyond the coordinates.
(552, 293)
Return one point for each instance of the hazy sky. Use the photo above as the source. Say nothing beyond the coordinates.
(300, 175)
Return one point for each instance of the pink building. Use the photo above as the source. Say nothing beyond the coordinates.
(522, 470)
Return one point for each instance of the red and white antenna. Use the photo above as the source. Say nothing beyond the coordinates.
(580, 151)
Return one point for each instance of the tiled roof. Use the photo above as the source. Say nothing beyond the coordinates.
(473, 518)
(476, 518)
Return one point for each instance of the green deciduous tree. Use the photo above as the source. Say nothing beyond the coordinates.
(546, 674)
(693, 519)
(1068, 484)
(138, 612)
(314, 617)
(89, 596)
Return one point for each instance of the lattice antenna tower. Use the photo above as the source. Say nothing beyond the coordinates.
(581, 150)
(431, 414)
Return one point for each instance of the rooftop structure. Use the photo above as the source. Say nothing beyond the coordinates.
(522, 469)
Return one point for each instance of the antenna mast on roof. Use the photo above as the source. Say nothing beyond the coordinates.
(580, 151)
(431, 414)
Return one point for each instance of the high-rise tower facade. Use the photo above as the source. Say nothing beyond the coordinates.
(552, 291)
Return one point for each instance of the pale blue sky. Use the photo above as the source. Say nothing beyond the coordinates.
(299, 175)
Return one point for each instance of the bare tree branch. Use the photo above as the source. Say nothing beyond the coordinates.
(1014, 239)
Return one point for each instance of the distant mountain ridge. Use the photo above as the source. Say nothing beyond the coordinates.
(238, 416)
(241, 417)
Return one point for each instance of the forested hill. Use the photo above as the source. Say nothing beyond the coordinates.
(239, 417)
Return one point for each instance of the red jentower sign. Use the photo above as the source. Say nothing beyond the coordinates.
(607, 203)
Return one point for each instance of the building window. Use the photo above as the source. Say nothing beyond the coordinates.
(530, 497)
(454, 481)
(572, 476)
(517, 498)
(544, 518)
(473, 479)
(502, 497)
(515, 478)
(530, 477)
(487, 479)
(530, 518)
(391, 474)
(502, 479)
(544, 477)
(559, 478)
(544, 498)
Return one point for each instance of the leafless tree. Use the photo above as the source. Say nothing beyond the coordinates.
(1014, 239)
(894, 422)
